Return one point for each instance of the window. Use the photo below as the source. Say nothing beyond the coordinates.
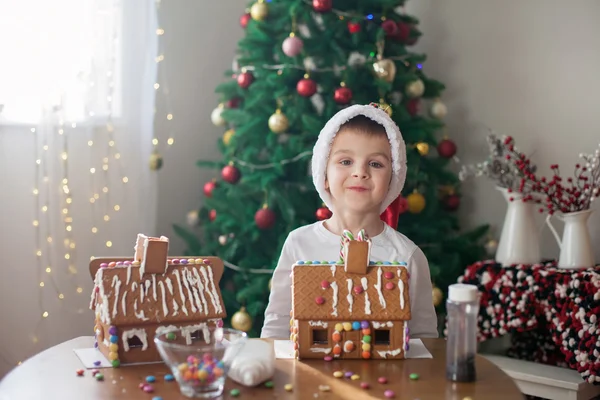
(319, 336)
(134, 342)
(196, 335)
(382, 337)
(60, 55)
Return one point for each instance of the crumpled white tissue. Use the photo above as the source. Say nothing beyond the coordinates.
(254, 364)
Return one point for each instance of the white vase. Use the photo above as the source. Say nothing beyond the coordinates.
(575, 247)
(519, 242)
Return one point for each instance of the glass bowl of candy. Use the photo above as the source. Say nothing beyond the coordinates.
(200, 360)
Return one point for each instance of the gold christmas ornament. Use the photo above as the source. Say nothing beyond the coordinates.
(241, 320)
(438, 109)
(423, 148)
(278, 122)
(259, 11)
(223, 240)
(156, 161)
(491, 246)
(385, 69)
(386, 107)
(416, 202)
(216, 117)
(437, 295)
(415, 88)
(227, 136)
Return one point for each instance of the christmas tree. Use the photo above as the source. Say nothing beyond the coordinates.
(299, 63)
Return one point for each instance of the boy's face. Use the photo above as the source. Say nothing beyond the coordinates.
(359, 171)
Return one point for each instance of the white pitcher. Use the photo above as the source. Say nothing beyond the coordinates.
(519, 242)
(576, 247)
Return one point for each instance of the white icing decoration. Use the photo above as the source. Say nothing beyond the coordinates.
(335, 299)
(148, 287)
(378, 325)
(385, 353)
(106, 342)
(141, 316)
(134, 286)
(401, 287)
(188, 330)
(184, 278)
(363, 281)
(181, 292)
(333, 270)
(192, 281)
(143, 260)
(141, 292)
(213, 297)
(128, 275)
(211, 282)
(345, 347)
(318, 323)
(104, 312)
(140, 333)
(349, 296)
(124, 303)
(175, 308)
(139, 247)
(378, 287)
(169, 285)
(321, 350)
(201, 290)
(164, 299)
(154, 286)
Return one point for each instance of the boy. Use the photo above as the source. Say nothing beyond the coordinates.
(359, 168)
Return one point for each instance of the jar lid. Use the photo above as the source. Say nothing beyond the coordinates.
(461, 292)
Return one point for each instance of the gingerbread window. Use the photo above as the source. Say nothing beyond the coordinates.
(319, 336)
(196, 335)
(134, 342)
(382, 337)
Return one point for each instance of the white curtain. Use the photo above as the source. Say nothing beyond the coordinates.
(76, 128)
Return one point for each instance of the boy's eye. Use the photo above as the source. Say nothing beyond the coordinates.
(345, 162)
(375, 164)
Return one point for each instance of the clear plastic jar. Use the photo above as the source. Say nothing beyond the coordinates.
(461, 346)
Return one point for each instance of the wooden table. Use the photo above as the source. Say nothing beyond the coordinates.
(52, 375)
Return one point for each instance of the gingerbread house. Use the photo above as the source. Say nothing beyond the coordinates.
(352, 308)
(136, 298)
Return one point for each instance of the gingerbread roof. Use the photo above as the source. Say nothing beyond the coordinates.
(188, 290)
(325, 291)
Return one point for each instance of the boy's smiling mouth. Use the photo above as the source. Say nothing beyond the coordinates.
(358, 188)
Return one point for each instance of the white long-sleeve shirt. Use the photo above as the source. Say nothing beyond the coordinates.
(315, 242)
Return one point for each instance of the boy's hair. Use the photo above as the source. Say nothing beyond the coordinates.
(363, 124)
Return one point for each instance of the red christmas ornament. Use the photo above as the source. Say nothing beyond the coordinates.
(446, 148)
(413, 106)
(264, 218)
(212, 214)
(234, 102)
(244, 19)
(353, 27)
(342, 95)
(230, 174)
(245, 79)
(306, 87)
(403, 31)
(209, 187)
(390, 28)
(451, 202)
(322, 5)
(323, 213)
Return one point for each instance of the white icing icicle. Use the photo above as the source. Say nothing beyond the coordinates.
(175, 308)
(141, 316)
(392, 353)
(154, 286)
(201, 290)
(124, 303)
(377, 325)
(169, 285)
(320, 350)
(141, 292)
(181, 292)
(164, 299)
(318, 323)
(213, 290)
(116, 284)
(188, 330)
(134, 286)
(184, 278)
(140, 333)
(333, 270)
(334, 286)
(128, 275)
(349, 296)
(147, 287)
(165, 329)
(192, 280)
(213, 297)
(401, 287)
(363, 282)
(378, 287)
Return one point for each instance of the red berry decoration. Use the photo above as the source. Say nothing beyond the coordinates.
(209, 187)
(403, 31)
(320, 300)
(234, 102)
(245, 79)
(231, 174)
(323, 213)
(322, 5)
(412, 106)
(452, 202)
(306, 87)
(353, 27)
(244, 19)
(264, 218)
(342, 95)
(212, 214)
(390, 28)
(446, 148)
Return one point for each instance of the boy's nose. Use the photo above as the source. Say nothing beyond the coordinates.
(360, 172)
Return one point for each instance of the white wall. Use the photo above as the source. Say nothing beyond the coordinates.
(528, 70)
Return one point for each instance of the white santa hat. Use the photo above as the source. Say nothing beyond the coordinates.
(323, 148)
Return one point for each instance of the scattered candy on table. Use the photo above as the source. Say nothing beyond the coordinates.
(95, 371)
(389, 394)
(338, 374)
(348, 374)
(324, 388)
(355, 377)
(169, 378)
(97, 363)
(288, 387)
(80, 372)
(150, 379)
(414, 377)
(364, 385)
(148, 388)
(269, 384)
(99, 377)
(328, 358)
(157, 398)
(382, 380)
(234, 392)
(201, 371)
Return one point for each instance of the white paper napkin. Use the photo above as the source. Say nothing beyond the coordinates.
(284, 349)
(89, 356)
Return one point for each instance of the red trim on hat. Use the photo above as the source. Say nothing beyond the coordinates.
(392, 213)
